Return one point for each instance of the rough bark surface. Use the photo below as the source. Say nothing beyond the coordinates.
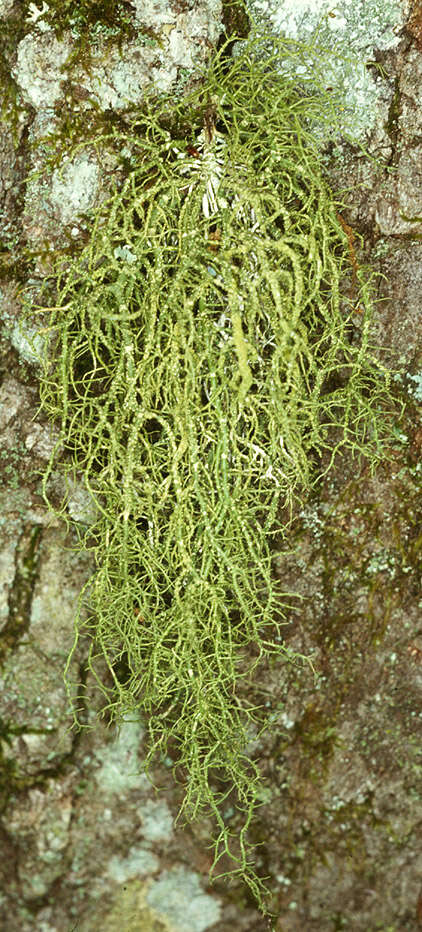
(88, 843)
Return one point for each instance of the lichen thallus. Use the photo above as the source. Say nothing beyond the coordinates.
(205, 368)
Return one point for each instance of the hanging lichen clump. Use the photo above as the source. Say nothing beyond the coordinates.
(203, 363)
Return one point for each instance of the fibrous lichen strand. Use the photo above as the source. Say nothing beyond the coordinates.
(203, 365)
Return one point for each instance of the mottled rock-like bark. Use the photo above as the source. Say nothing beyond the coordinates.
(88, 843)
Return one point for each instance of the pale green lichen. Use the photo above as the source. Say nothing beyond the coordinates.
(341, 37)
(119, 772)
(206, 364)
(138, 862)
(416, 388)
(177, 896)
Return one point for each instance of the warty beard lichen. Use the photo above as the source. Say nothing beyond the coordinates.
(206, 359)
